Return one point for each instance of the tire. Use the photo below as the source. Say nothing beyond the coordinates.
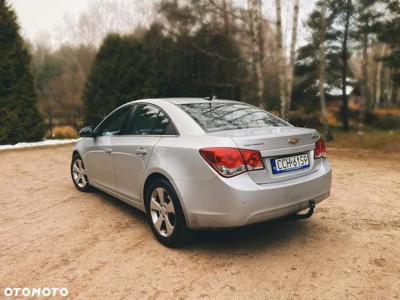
(165, 216)
(78, 174)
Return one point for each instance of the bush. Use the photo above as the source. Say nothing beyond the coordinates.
(302, 119)
(64, 132)
(387, 122)
(382, 120)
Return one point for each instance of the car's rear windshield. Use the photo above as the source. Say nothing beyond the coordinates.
(219, 116)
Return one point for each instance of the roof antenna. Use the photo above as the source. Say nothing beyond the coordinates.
(211, 98)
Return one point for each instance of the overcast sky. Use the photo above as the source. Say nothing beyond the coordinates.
(44, 15)
(38, 17)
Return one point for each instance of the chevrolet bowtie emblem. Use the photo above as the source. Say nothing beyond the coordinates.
(293, 141)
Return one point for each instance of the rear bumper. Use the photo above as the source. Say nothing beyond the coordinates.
(238, 201)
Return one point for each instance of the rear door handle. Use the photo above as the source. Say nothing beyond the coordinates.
(141, 152)
(109, 151)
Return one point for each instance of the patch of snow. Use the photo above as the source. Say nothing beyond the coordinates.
(38, 144)
(335, 91)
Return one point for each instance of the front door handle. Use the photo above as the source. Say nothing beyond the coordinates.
(141, 151)
(109, 151)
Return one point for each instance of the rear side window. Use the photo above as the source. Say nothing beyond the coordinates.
(162, 122)
(149, 120)
(218, 116)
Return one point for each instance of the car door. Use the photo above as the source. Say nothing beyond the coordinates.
(146, 126)
(99, 158)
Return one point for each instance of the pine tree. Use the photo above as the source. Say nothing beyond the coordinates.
(308, 59)
(391, 35)
(20, 119)
(127, 68)
(345, 13)
(340, 19)
(121, 72)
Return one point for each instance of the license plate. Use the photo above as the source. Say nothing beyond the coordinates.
(290, 163)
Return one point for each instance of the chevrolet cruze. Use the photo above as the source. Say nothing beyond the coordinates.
(197, 163)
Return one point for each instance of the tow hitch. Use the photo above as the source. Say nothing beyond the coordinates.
(309, 213)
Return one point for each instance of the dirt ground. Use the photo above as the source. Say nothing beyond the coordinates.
(98, 247)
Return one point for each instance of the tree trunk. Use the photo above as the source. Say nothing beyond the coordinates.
(361, 116)
(322, 67)
(292, 57)
(50, 117)
(281, 62)
(378, 79)
(364, 88)
(226, 18)
(366, 99)
(345, 54)
(255, 14)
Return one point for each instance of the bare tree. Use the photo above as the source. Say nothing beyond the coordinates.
(102, 17)
(349, 12)
(281, 59)
(379, 70)
(295, 22)
(60, 79)
(242, 21)
(226, 17)
(322, 69)
(365, 90)
(378, 76)
(257, 42)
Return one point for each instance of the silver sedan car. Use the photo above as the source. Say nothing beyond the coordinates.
(194, 163)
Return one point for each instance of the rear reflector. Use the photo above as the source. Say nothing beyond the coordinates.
(320, 149)
(230, 162)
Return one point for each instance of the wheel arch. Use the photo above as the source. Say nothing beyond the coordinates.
(76, 152)
(157, 174)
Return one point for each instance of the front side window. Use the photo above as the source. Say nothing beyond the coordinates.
(149, 120)
(114, 124)
(218, 116)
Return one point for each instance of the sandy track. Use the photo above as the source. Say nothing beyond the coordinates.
(53, 236)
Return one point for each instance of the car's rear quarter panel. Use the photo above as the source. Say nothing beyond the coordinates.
(179, 160)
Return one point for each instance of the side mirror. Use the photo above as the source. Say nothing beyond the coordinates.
(87, 132)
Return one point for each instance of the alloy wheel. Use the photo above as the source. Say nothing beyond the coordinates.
(162, 212)
(79, 173)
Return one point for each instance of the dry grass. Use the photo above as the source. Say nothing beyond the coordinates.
(387, 112)
(64, 132)
(387, 141)
(333, 121)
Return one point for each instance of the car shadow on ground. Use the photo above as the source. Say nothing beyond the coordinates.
(139, 216)
(252, 237)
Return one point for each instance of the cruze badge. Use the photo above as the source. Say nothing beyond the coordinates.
(293, 141)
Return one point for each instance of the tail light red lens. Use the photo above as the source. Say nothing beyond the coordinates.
(252, 159)
(320, 149)
(230, 162)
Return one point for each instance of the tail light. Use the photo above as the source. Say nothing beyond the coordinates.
(320, 149)
(230, 162)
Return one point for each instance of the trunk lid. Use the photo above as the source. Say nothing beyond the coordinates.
(275, 142)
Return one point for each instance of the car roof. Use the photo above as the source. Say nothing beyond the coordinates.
(183, 100)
